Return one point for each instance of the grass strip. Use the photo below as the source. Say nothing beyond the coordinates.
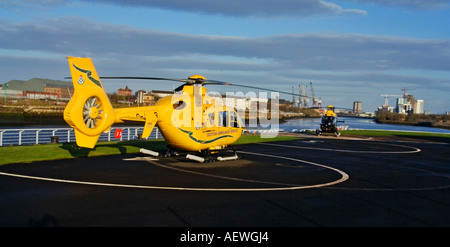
(32, 153)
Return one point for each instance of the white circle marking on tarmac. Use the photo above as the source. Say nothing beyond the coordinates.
(414, 149)
(343, 178)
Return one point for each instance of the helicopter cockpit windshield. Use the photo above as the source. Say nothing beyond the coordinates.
(329, 120)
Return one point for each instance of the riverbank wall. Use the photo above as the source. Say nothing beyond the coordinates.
(435, 121)
(31, 115)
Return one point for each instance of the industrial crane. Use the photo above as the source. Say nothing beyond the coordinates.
(303, 99)
(315, 100)
(404, 91)
(386, 101)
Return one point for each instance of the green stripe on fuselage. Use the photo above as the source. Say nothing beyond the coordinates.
(190, 133)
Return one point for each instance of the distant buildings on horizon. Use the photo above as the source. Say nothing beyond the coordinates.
(405, 105)
(37, 88)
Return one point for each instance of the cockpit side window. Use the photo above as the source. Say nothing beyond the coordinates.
(234, 119)
(211, 119)
(220, 119)
(225, 119)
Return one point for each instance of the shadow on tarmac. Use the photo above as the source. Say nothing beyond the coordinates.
(81, 152)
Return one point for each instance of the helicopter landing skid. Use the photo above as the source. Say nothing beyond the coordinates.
(207, 156)
(204, 156)
(320, 132)
(166, 154)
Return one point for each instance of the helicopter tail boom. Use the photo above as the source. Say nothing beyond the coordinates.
(89, 111)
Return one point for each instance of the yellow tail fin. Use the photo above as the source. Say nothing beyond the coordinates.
(89, 111)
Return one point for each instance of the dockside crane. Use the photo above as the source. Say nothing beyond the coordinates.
(306, 99)
(300, 98)
(293, 97)
(404, 91)
(315, 100)
(386, 96)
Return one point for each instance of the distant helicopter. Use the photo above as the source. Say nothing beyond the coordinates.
(329, 122)
(189, 120)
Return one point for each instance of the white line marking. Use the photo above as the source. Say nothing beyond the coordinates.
(139, 159)
(342, 179)
(217, 176)
(414, 149)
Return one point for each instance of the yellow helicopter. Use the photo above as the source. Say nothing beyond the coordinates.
(189, 120)
(329, 122)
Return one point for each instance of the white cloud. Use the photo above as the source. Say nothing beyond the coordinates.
(31, 4)
(338, 63)
(308, 51)
(411, 4)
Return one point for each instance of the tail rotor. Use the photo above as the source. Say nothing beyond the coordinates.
(89, 111)
(93, 112)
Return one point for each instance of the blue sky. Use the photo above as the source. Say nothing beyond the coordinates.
(351, 50)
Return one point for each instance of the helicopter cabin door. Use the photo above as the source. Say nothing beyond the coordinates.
(220, 125)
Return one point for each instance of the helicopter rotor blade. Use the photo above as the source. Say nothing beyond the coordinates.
(203, 82)
(214, 82)
(146, 78)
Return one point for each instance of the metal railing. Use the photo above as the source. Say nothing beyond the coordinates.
(27, 136)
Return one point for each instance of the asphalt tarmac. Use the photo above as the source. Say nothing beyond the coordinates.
(310, 182)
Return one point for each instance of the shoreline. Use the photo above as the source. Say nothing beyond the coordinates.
(419, 124)
(49, 116)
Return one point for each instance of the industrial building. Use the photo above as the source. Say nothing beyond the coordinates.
(406, 104)
(418, 108)
(125, 92)
(37, 88)
(144, 98)
(357, 106)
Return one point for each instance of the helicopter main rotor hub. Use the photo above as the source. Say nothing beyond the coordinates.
(197, 79)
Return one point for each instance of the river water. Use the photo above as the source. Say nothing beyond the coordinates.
(295, 124)
(355, 123)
